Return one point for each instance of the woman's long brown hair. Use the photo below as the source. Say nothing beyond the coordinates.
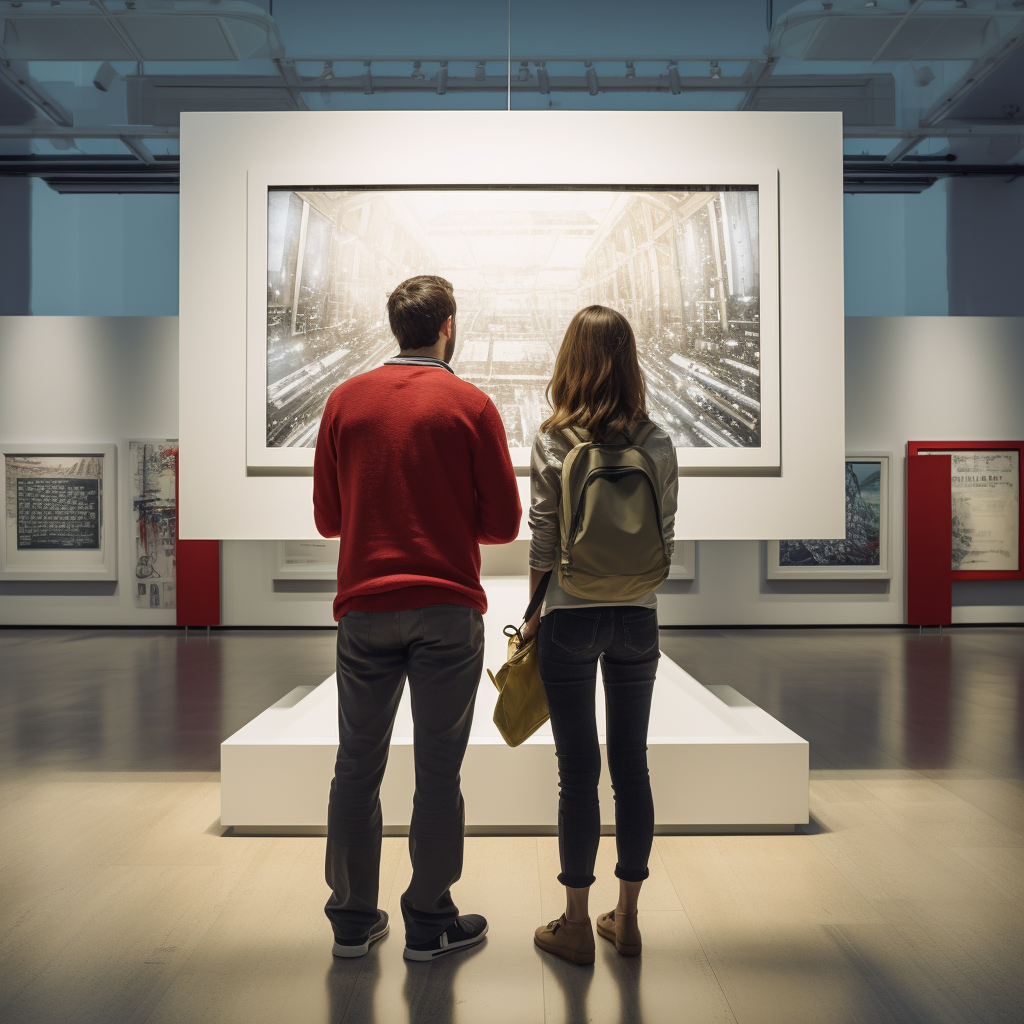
(597, 384)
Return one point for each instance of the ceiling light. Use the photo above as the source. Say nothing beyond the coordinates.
(481, 72)
(524, 71)
(105, 76)
(923, 76)
(442, 78)
(630, 70)
(416, 72)
(328, 72)
(674, 85)
(715, 71)
(543, 81)
(591, 78)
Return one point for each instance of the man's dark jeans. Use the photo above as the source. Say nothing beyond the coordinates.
(441, 651)
(570, 642)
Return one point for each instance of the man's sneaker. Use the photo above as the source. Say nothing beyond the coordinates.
(467, 931)
(377, 932)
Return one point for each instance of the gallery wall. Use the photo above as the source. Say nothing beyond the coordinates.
(91, 380)
(907, 378)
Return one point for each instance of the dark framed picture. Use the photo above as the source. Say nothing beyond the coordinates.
(864, 552)
(60, 512)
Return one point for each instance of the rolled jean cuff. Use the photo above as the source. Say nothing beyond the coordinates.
(632, 876)
(576, 881)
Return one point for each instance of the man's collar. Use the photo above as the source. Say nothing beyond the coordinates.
(418, 361)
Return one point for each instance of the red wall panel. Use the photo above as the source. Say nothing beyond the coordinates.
(929, 541)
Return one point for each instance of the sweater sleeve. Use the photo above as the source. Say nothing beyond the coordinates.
(494, 480)
(326, 498)
(545, 493)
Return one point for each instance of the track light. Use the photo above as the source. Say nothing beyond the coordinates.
(591, 78)
(442, 78)
(524, 71)
(481, 72)
(715, 71)
(543, 81)
(328, 72)
(630, 70)
(105, 77)
(674, 85)
(416, 72)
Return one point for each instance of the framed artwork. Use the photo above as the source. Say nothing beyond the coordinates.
(863, 554)
(307, 559)
(987, 515)
(688, 265)
(684, 561)
(152, 474)
(60, 512)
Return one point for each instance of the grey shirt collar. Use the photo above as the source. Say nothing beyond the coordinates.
(418, 361)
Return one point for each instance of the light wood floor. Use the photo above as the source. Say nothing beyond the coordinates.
(121, 900)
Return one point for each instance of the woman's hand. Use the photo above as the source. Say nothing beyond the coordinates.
(531, 628)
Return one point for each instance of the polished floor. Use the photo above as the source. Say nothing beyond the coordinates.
(122, 900)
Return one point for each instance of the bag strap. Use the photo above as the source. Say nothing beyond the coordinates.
(538, 596)
(643, 433)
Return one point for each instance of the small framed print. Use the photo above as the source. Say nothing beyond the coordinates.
(987, 515)
(152, 486)
(684, 561)
(60, 512)
(307, 559)
(863, 554)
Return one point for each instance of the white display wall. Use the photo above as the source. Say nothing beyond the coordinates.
(88, 379)
(794, 482)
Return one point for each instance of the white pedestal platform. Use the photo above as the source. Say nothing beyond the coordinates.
(718, 762)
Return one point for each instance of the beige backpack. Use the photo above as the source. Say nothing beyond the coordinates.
(613, 548)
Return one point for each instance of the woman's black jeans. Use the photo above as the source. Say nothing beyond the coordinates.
(570, 642)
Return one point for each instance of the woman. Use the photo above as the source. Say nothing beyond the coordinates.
(597, 388)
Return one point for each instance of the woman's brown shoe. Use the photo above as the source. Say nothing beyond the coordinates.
(622, 929)
(573, 940)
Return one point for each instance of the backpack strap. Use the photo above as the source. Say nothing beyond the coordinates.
(643, 433)
(575, 436)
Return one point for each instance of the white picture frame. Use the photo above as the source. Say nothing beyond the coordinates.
(42, 557)
(748, 173)
(795, 156)
(881, 571)
(684, 561)
(312, 559)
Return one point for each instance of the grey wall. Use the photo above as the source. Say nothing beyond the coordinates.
(985, 263)
(907, 378)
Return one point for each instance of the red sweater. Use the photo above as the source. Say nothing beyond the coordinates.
(412, 472)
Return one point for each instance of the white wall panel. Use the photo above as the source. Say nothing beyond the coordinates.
(221, 152)
(87, 380)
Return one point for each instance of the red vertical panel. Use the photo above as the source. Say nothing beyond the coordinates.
(929, 541)
(197, 570)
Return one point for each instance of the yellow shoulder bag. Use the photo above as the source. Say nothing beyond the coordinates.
(521, 708)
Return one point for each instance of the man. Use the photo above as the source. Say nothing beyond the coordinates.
(413, 473)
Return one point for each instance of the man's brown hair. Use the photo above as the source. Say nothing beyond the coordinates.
(597, 384)
(418, 308)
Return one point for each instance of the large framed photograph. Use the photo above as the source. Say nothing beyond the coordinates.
(60, 512)
(307, 559)
(688, 265)
(986, 508)
(864, 553)
(152, 473)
